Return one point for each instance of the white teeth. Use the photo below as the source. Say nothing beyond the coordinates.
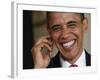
(69, 44)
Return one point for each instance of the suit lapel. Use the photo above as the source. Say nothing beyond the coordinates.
(55, 62)
(88, 58)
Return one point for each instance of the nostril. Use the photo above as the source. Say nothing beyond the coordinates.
(65, 36)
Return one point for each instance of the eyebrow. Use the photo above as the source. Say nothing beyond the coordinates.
(71, 22)
(54, 26)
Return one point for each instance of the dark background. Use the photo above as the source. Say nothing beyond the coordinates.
(27, 39)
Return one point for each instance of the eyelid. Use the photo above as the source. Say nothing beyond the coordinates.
(72, 23)
(54, 26)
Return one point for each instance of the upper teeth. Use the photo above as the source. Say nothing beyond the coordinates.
(69, 44)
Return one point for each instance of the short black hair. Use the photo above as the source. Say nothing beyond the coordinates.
(82, 16)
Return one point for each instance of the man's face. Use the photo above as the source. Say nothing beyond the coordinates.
(66, 30)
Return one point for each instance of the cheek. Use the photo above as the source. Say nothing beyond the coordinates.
(79, 33)
(55, 36)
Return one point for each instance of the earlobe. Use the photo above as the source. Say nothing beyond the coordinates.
(85, 24)
(48, 30)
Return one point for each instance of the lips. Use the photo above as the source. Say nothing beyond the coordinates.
(69, 44)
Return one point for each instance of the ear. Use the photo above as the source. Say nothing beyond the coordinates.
(48, 29)
(85, 24)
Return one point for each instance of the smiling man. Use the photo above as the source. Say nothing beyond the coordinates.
(66, 31)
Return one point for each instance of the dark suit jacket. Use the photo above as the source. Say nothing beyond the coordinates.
(55, 62)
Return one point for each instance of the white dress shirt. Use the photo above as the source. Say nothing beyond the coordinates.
(81, 62)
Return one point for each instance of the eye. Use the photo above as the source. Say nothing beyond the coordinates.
(56, 27)
(72, 25)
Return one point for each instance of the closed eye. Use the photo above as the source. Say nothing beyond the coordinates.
(56, 27)
(72, 24)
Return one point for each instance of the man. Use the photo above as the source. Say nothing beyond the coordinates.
(66, 31)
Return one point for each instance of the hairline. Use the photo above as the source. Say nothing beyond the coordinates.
(82, 16)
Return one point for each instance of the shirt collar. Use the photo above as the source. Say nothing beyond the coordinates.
(81, 62)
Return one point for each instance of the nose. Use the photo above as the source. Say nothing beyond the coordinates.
(65, 32)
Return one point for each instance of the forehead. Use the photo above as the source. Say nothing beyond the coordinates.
(62, 16)
(53, 15)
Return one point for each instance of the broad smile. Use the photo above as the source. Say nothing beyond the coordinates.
(68, 44)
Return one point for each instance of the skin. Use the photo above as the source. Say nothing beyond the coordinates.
(41, 59)
(64, 28)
